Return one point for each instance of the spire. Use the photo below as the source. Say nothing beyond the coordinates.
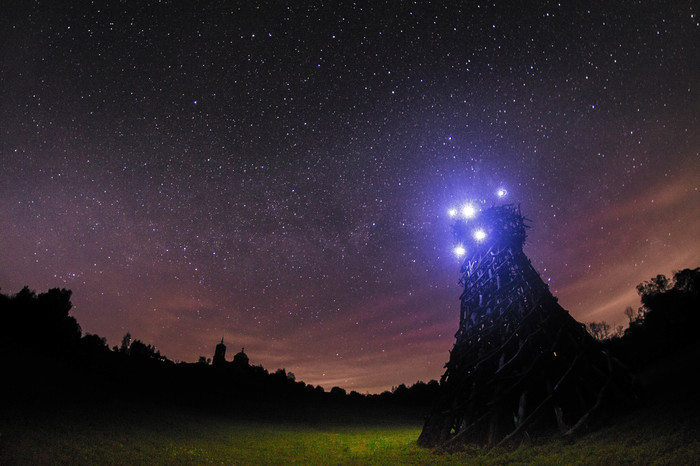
(219, 353)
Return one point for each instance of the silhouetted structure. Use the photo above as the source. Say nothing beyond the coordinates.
(219, 354)
(241, 359)
(520, 362)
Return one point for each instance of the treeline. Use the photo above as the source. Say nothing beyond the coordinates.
(44, 354)
(668, 320)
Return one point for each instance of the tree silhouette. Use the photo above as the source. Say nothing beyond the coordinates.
(672, 308)
(668, 320)
(125, 346)
(141, 351)
(39, 323)
(599, 330)
(653, 287)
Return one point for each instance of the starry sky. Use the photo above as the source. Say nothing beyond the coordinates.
(279, 173)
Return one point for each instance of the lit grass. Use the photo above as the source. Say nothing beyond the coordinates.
(160, 436)
(190, 438)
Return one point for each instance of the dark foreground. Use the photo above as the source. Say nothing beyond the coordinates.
(68, 399)
(664, 430)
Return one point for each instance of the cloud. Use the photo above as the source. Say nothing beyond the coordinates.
(629, 242)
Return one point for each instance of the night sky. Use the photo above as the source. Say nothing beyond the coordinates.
(279, 173)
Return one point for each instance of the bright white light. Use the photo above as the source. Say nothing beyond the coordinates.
(460, 251)
(452, 212)
(468, 211)
(501, 192)
(479, 235)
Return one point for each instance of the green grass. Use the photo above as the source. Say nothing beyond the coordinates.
(179, 437)
(660, 435)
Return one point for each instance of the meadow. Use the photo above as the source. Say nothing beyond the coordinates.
(663, 433)
(68, 399)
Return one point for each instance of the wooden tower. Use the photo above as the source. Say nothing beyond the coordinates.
(520, 362)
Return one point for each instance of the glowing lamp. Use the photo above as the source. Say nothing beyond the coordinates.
(501, 192)
(460, 251)
(468, 211)
(452, 212)
(479, 235)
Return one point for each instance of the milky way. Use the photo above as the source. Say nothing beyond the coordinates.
(280, 174)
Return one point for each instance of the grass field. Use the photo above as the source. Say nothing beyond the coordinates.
(661, 434)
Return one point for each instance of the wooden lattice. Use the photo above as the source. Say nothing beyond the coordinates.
(520, 361)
